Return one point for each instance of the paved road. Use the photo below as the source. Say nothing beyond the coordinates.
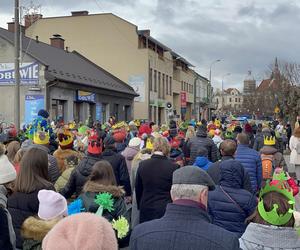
(291, 169)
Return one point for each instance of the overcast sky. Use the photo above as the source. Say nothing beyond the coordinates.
(246, 35)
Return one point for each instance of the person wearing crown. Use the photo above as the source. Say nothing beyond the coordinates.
(66, 141)
(272, 224)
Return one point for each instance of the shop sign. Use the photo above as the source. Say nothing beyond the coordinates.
(29, 73)
(137, 82)
(33, 103)
(84, 96)
(183, 99)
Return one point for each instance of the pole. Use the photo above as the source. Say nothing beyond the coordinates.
(209, 91)
(17, 66)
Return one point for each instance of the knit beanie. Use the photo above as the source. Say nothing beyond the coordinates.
(135, 142)
(83, 231)
(52, 205)
(7, 170)
(43, 113)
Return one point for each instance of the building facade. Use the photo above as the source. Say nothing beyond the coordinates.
(159, 75)
(65, 83)
(229, 100)
(249, 84)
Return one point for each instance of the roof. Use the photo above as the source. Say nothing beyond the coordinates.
(70, 66)
(267, 84)
(178, 57)
(230, 89)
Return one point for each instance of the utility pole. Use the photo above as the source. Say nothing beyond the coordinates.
(17, 66)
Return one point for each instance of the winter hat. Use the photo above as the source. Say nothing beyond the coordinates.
(43, 113)
(83, 231)
(135, 142)
(52, 205)
(7, 170)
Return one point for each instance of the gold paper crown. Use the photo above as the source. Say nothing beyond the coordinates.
(269, 140)
(65, 137)
(41, 137)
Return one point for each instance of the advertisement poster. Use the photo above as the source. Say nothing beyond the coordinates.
(99, 111)
(86, 96)
(183, 99)
(29, 73)
(138, 84)
(33, 103)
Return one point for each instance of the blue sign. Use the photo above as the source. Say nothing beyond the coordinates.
(29, 73)
(86, 96)
(99, 111)
(33, 103)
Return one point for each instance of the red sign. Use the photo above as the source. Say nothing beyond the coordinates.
(183, 99)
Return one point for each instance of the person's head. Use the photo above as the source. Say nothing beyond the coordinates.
(217, 132)
(33, 173)
(161, 145)
(11, 150)
(52, 205)
(94, 143)
(43, 113)
(135, 142)
(109, 142)
(41, 138)
(191, 183)
(155, 128)
(228, 147)
(19, 155)
(297, 132)
(65, 139)
(190, 133)
(202, 152)
(81, 231)
(102, 173)
(242, 139)
(7, 170)
(270, 200)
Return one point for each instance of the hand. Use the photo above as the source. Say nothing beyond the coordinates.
(128, 199)
(287, 175)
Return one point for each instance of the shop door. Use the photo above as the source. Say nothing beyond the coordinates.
(58, 110)
(127, 113)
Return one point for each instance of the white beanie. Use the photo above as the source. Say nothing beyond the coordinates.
(7, 170)
(135, 142)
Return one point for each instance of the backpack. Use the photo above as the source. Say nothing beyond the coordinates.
(267, 166)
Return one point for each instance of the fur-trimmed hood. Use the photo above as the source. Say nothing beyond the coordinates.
(36, 229)
(116, 191)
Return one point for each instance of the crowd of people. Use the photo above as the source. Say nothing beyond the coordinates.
(182, 185)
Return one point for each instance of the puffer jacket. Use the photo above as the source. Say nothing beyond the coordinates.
(129, 153)
(34, 231)
(202, 162)
(63, 179)
(229, 205)
(263, 237)
(251, 161)
(202, 141)
(278, 157)
(79, 176)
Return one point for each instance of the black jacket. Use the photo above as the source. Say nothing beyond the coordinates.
(215, 173)
(183, 227)
(202, 141)
(4, 231)
(153, 185)
(79, 176)
(118, 163)
(21, 206)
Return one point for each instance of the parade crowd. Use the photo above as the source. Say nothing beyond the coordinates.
(182, 185)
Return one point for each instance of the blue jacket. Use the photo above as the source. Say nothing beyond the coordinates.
(183, 227)
(202, 162)
(224, 212)
(252, 163)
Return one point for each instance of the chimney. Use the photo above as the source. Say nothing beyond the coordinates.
(30, 19)
(80, 13)
(11, 27)
(57, 41)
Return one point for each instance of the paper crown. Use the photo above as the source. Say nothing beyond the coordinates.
(72, 125)
(217, 123)
(269, 140)
(41, 137)
(65, 138)
(273, 217)
(119, 125)
(95, 145)
(149, 144)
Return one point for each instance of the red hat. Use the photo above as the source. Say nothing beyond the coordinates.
(95, 143)
(144, 129)
(119, 135)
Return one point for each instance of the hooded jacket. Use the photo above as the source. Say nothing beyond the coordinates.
(278, 157)
(34, 230)
(129, 153)
(202, 141)
(265, 237)
(229, 204)
(202, 162)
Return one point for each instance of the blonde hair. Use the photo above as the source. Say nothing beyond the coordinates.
(155, 128)
(162, 145)
(190, 133)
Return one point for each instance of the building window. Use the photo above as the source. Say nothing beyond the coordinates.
(235, 99)
(230, 99)
(163, 86)
(159, 86)
(150, 80)
(167, 85)
(170, 82)
(155, 81)
(182, 85)
(239, 99)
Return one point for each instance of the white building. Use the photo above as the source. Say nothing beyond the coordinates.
(232, 99)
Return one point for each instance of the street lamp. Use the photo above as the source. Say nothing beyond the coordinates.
(209, 94)
(227, 74)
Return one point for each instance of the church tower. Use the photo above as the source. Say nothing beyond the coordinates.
(249, 84)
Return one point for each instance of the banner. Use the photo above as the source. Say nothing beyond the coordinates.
(29, 73)
(86, 96)
(33, 103)
(138, 84)
(183, 99)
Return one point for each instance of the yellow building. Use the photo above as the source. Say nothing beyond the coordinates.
(155, 72)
